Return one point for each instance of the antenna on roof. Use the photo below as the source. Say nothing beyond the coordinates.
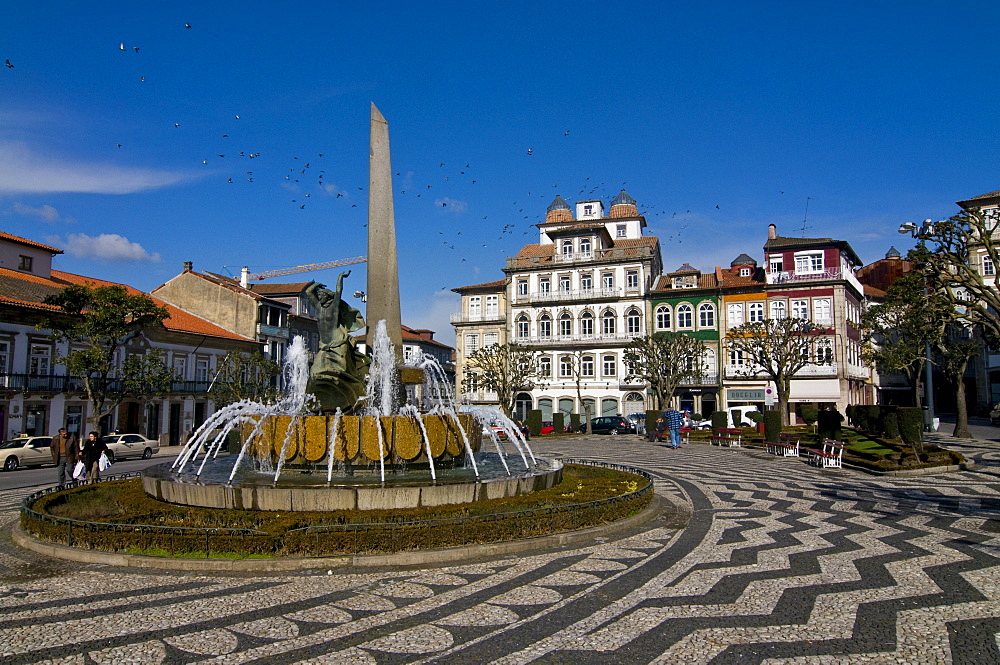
(805, 219)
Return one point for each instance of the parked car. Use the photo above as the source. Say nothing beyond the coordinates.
(123, 446)
(609, 425)
(549, 428)
(25, 451)
(995, 415)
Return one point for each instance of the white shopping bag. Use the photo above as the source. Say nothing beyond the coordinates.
(79, 471)
(103, 463)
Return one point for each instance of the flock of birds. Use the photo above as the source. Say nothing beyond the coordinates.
(530, 208)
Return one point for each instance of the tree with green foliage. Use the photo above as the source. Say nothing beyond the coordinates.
(776, 348)
(98, 322)
(899, 328)
(505, 369)
(242, 376)
(664, 360)
(959, 345)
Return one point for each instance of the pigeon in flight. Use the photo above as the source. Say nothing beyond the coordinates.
(7, 64)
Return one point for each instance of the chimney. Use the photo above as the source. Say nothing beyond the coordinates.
(772, 231)
(188, 266)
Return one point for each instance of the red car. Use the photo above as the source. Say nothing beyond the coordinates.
(549, 428)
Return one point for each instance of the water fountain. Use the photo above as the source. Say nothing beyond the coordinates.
(340, 438)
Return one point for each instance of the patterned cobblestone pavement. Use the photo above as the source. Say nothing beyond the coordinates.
(778, 562)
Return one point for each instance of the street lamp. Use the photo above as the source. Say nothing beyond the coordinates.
(921, 233)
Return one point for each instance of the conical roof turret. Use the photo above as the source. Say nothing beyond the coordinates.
(559, 211)
(623, 206)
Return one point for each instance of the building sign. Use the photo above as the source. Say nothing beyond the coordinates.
(735, 395)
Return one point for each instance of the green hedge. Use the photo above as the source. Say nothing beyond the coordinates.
(889, 421)
(558, 424)
(772, 425)
(911, 425)
(720, 420)
(574, 421)
(534, 422)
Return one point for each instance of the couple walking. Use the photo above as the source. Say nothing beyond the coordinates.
(672, 420)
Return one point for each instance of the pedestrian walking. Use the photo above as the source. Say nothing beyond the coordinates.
(91, 453)
(65, 449)
(675, 421)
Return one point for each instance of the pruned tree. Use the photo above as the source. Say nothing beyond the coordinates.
(956, 348)
(900, 328)
(98, 322)
(776, 348)
(505, 369)
(664, 360)
(242, 376)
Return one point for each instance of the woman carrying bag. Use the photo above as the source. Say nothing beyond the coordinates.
(93, 448)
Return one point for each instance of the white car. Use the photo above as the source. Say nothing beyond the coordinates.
(123, 446)
(25, 451)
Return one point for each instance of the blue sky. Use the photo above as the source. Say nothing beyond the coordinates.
(719, 118)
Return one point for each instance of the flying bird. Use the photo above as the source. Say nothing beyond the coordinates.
(121, 46)
(7, 64)
(187, 25)
(136, 48)
(530, 151)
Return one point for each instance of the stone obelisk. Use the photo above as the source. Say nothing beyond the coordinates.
(383, 272)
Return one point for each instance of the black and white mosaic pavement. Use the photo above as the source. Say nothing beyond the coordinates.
(779, 562)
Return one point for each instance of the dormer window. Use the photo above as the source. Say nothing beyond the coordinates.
(588, 210)
(744, 272)
(24, 263)
(620, 231)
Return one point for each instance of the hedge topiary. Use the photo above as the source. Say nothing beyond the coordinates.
(720, 420)
(651, 417)
(755, 416)
(809, 413)
(772, 425)
(558, 424)
(889, 421)
(534, 422)
(911, 426)
(574, 421)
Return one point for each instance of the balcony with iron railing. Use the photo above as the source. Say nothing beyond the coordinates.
(706, 379)
(746, 371)
(482, 317)
(60, 383)
(791, 276)
(561, 295)
(573, 340)
(478, 396)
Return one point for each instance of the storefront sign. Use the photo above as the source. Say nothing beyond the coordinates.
(754, 395)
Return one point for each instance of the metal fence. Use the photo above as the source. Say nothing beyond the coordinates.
(355, 533)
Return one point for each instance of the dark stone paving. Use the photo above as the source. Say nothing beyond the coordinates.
(779, 562)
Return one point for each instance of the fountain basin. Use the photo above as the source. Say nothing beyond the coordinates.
(311, 492)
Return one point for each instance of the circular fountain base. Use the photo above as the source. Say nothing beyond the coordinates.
(311, 492)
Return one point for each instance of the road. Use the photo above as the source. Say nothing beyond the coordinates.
(48, 475)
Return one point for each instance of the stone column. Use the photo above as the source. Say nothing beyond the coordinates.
(383, 273)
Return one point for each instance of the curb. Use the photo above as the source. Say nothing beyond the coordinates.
(657, 506)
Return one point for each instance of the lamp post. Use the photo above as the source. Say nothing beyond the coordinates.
(921, 233)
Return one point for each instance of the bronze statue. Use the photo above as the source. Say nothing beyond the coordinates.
(338, 372)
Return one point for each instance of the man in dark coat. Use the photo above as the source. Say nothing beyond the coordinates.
(65, 449)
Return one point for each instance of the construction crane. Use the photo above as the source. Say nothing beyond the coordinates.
(246, 275)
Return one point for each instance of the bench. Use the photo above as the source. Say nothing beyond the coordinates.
(786, 446)
(686, 435)
(733, 432)
(729, 441)
(830, 456)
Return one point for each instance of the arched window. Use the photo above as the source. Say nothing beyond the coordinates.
(633, 322)
(734, 314)
(706, 315)
(608, 323)
(821, 311)
(545, 326)
(685, 316)
(663, 317)
(565, 366)
(545, 406)
(778, 309)
(522, 325)
(609, 407)
(710, 364)
(800, 309)
(756, 312)
(585, 246)
(567, 247)
(545, 366)
(587, 324)
(565, 324)
(736, 357)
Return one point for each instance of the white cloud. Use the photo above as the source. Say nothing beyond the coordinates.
(45, 212)
(107, 248)
(23, 171)
(451, 205)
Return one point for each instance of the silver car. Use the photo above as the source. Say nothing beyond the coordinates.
(123, 446)
(25, 451)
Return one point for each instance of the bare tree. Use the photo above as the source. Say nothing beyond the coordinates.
(777, 348)
(664, 360)
(505, 369)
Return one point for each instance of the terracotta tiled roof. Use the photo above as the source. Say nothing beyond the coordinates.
(272, 289)
(988, 195)
(498, 284)
(535, 250)
(705, 281)
(781, 242)
(30, 243)
(872, 292)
